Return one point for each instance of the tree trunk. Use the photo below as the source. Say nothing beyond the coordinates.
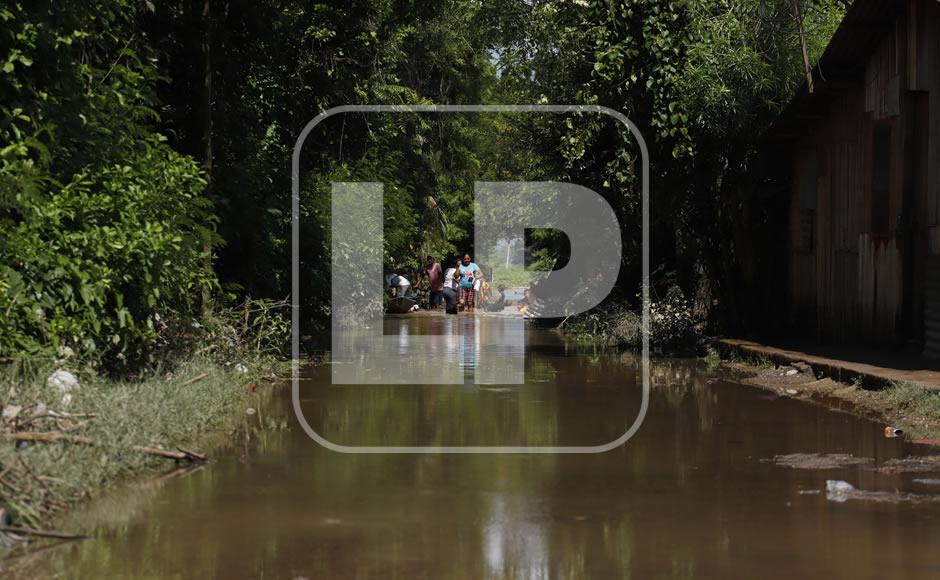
(205, 124)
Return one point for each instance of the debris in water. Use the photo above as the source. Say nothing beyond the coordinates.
(891, 432)
(838, 490)
(925, 464)
(819, 460)
(793, 374)
(842, 491)
(792, 392)
(927, 481)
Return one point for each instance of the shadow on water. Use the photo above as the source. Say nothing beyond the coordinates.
(691, 495)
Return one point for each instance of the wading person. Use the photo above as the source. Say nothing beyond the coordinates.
(435, 277)
(450, 281)
(469, 275)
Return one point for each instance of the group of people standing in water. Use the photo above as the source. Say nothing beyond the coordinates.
(454, 287)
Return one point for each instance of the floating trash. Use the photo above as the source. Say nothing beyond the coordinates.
(917, 464)
(891, 432)
(819, 460)
(841, 491)
(838, 487)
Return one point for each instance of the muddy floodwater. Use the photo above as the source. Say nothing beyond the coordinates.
(694, 494)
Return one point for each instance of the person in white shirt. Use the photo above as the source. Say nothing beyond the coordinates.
(450, 286)
(398, 284)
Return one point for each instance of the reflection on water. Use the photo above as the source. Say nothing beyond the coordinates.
(688, 497)
(447, 350)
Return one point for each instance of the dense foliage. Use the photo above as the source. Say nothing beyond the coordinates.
(699, 78)
(103, 226)
(143, 143)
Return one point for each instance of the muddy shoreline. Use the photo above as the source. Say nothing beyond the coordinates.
(911, 411)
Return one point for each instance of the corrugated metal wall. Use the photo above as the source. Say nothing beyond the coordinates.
(927, 59)
(932, 309)
(852, 280)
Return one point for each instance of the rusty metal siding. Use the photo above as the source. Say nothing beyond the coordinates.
(802, 263)
(932, 308)
(930, 69)
(858, 272)
(871, 273)
(933, 148)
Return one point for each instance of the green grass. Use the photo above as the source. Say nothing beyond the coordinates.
(712, 358)
(763, 363)
(42, 478)
(514, 277)
(920, 407)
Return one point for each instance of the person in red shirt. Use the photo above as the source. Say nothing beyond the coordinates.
(432, 270)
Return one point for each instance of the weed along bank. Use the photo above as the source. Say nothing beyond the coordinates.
(470, 289)
(846, 196)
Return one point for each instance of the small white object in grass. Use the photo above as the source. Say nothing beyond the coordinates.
(11, 411)
(62, 381)
(241, 369)
(249, 411)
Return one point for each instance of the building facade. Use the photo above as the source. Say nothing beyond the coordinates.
(858, 162)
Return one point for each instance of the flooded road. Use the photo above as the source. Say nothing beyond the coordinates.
(692, 495)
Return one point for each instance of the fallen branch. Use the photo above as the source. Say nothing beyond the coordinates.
(42, 533)
(195, 379)
(193, 454)
(54, 436)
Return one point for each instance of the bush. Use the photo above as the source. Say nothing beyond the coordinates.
(94, 265)
(104, 230)
(673, 324)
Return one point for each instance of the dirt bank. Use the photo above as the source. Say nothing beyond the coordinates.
(56, 452)
(906, 406)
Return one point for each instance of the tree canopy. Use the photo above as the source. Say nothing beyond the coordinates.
(146, 146)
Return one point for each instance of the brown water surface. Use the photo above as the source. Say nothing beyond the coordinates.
(692, 495)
